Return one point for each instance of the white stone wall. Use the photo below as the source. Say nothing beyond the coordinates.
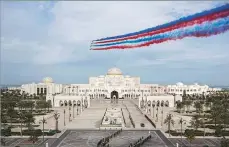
(57, 100)
(169, 100)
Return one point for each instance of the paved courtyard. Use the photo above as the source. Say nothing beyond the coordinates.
(88, 138)
(198, 142)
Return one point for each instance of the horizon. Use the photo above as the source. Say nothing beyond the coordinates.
(53, 39)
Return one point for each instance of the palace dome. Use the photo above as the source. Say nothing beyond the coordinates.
(47, 80)
(114, 71)
(180, 84)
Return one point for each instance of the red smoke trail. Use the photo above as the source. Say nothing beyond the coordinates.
(177, 26)
(197, 34)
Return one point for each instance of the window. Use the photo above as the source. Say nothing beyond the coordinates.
(45, 90)
(38, 91)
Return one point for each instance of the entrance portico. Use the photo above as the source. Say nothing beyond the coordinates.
(114, 97)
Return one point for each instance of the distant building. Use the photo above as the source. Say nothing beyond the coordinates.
(180, 89)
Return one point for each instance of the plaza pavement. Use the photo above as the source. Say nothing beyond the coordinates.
(91, 117)
(91, 138)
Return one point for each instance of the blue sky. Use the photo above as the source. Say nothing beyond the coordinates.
(40, 39)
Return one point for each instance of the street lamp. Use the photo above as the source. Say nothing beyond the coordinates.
(82, 105)
(64, 117)
(162, 105)
(43, 121)
(69, 89)
(153, 104)
(69, 113)
(74, 104)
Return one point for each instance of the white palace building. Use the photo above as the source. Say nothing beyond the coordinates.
(113, 85)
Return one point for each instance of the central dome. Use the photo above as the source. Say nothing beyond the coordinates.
(47, 80)
(114, 71)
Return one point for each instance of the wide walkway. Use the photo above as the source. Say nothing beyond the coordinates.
(137, 116)
(91, 117)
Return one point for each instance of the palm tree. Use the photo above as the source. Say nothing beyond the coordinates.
(11, 113)
(198, 106)
(169, 121)
(196, 122)
(181, 122)
(56, 117)
(29, 120)
(179, 106)
(225, 111)
(22, 119)
(190, 134)
(43, 121)
(31, 105)
(188, 103)
(216, 112)
(48, 105)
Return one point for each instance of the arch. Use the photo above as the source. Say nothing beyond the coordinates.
(167, 103)
(65, 103)
(74, 103)
(158, 103)
(153, 103)
(85, 103)
(162, 103)
(61, 103)
(78, 103)
(114, 96)
(70, 103)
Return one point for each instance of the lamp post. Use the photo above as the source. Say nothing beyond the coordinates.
(43, 121)
(69, 89)
(82, 105)
(74, 110)
(153, 108)
(64, 117)
(162, 105)
(69, 113)
(77, 87)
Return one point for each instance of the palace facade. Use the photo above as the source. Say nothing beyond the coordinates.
(111, 85)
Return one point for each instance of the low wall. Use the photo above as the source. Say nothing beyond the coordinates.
(152, 123)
